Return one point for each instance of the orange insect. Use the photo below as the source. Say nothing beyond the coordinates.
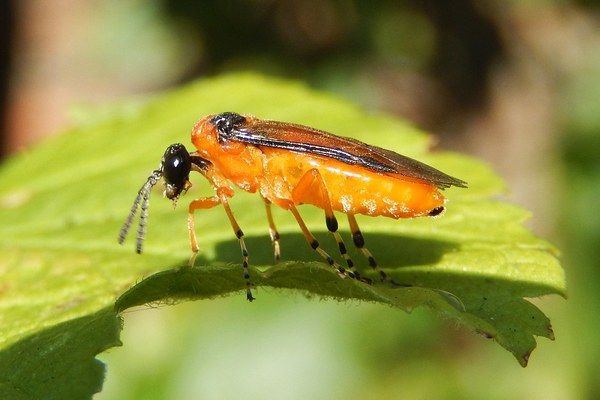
(288, 165)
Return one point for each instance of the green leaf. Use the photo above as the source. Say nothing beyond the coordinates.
(58, 362)
(62, 204)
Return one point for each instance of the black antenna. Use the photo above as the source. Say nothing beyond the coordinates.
(143, 196)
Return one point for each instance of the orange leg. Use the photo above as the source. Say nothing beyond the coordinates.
(273, 231)
(312, 182)
(209, 202)
(203, 203)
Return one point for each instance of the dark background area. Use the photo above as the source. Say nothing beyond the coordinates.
(443, 54)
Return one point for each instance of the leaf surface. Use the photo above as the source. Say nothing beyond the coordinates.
(62, 205)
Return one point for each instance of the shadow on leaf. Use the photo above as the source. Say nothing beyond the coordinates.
(405, 250)
(59, 362)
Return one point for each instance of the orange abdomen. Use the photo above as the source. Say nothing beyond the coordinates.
(355, 189)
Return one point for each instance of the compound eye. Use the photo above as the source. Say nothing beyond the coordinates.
(176, 166)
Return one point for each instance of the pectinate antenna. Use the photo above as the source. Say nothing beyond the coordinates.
(142, 197)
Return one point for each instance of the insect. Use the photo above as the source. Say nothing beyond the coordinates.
(288, 165)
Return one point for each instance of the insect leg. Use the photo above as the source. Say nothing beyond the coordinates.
(273, 231)
(312, 241)
(202, 203)
(239, 234)
(359, 242)
(209, 202)
(312, 183)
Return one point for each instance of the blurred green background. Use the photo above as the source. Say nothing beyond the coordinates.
(514, 83)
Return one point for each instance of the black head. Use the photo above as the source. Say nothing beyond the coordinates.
(176, 165)
(175, 168)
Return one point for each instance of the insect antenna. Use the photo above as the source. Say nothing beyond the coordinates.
(142, 197)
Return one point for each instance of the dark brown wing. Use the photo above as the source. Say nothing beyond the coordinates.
(308, 140)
